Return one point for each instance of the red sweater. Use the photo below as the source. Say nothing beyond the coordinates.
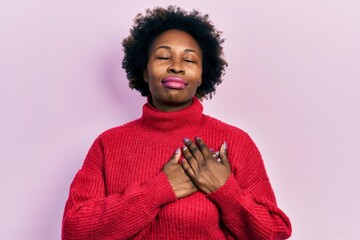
(121, 193)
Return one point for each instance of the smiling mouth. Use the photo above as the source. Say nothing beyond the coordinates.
(174, 83)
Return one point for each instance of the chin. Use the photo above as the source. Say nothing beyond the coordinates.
(178, 100)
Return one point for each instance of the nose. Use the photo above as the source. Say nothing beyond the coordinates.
(176, 68)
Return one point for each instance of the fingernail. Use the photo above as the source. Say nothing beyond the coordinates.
(216, 154)
(225, 146)
(177, 150)
(197, 138)
(186, 140)
(184, 148)
(182, 160)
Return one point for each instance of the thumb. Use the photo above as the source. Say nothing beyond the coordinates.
(223, 154)
(175, 157)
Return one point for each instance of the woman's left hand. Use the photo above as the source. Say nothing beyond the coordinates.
(207, 172)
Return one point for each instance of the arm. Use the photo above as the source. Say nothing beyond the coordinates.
(244, 195)
(92, 214)
(247, 201)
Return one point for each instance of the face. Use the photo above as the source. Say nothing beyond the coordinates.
(174, 70)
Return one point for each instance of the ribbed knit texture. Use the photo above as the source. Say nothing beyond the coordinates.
(121, 193)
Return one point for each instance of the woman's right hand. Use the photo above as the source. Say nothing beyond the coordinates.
(179, 180)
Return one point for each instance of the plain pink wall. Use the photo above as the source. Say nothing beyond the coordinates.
(293, 83)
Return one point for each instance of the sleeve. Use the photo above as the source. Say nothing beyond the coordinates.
(92, 214)
(247, 202)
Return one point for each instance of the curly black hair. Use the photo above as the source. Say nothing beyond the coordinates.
(147, 27)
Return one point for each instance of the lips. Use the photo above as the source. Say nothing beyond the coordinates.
(174, 83)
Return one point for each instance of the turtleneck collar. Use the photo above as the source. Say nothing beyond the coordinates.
(183, 121)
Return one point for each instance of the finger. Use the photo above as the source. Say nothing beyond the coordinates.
(223, 154)
(203, 148)
(175, 157)
(216, 154)
(187, 168)
(190, 158)
(194, 149)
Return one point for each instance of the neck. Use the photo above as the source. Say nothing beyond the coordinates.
(182, 121)
(168, 107)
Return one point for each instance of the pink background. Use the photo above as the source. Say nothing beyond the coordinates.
(293, 84)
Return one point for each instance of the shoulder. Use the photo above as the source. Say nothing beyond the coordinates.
(118, 131)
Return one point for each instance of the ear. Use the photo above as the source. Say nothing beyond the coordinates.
(200, 82)
(146, 76)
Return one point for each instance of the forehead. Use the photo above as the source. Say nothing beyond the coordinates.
(175, 38)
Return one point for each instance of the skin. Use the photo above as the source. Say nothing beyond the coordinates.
(206, 172)
(200, 169)
(175, 53)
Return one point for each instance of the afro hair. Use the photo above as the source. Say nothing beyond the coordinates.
(147, 27)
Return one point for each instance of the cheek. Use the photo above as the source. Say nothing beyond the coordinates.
(196, 74)
(154, 71)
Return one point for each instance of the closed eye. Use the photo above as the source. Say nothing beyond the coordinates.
(163, 58)
(190, 61)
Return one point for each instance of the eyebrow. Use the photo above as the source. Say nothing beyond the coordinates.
(169, 48)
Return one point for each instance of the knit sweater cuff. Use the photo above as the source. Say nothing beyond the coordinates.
(228, 196)
(158, 191)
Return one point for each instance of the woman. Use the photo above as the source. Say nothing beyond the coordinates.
(158, 177)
